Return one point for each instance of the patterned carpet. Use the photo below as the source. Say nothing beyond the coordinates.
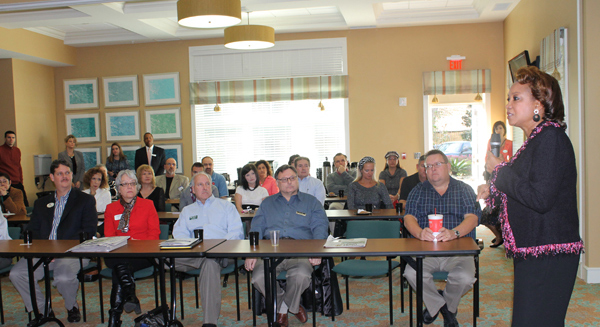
(368, 300)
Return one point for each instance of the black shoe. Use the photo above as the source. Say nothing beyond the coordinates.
(73, 315)
(497, 245)
(449, 317)
(427, 318)
(209, 325)
(34, 321)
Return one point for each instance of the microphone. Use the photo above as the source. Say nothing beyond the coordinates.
(495, 144)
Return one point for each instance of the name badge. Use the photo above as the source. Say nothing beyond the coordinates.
(194, 217)
(153, 155)
(301, 213)
(180, 188)
(118, 217)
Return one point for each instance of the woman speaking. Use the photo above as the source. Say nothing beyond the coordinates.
(536, 192)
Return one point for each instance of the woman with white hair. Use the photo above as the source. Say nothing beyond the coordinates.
(135, 217)
(366, 190)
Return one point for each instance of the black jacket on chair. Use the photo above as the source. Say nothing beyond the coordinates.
(79, 215)
(158, 159)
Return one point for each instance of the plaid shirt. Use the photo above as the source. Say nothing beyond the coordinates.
(459, 200)
(59, 207)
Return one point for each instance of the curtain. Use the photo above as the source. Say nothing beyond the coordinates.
(267, 90)
(457, 82)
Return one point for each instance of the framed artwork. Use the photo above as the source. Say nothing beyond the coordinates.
(161, 89)
(121, 91)
(123, 126)
(85, 127)
(164, 124)
(174, 151)
(129, 152)
(81, 93)
(91, 156)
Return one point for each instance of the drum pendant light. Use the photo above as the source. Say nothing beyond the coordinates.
(249, 37)
(209, 13)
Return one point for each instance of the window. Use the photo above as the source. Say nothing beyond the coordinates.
(243, 132)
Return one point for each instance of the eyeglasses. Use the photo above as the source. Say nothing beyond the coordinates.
(436, 165)
(287, 180)
(130, 184)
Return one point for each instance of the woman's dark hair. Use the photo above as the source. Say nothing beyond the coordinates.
(499, 123)
(5, 175)
(246, 169)
(87, 178)
(121, 155)
(546, 90)
(264, 162)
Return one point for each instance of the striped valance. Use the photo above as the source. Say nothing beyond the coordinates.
(457, 82)
(268, 90)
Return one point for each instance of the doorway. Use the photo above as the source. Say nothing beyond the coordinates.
(458, 126)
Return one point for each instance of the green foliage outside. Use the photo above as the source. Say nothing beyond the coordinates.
(460, 167)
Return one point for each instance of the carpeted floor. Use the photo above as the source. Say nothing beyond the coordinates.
(368, 300)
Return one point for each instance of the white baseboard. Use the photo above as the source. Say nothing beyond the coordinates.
(590, 275)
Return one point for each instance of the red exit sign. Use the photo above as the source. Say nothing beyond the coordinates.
(455, 64)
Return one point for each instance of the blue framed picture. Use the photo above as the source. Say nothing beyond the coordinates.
(161, 89)
(121, 91)
(91, 156)
(164, 124)
(122, 126)
(85, 127)
(81, 93)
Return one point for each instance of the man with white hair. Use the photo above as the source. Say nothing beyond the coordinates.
(220, 220)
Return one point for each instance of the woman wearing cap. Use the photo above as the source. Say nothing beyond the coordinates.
(392, 175)
(365, 189)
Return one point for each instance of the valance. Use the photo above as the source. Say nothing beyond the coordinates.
(268, 90)
(457, 82)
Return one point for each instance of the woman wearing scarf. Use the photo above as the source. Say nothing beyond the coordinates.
(129, 216)
(536, 193)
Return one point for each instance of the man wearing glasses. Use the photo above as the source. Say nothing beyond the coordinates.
(295, 215)
(58, 216)
(456, 201)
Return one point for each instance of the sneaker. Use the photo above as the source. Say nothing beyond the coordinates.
(74, 315)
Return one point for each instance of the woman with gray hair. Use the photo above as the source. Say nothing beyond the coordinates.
(134, 217)
(366, 190)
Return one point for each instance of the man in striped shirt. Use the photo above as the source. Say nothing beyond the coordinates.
(62, 215)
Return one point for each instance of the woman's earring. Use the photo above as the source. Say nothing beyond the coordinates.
(536, 115)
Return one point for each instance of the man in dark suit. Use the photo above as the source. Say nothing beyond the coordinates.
(151, 155)
(59, 216)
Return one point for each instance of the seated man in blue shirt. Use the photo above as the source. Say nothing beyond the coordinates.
(220, 220)
(456, 201)
(307, 183)
(297, 216)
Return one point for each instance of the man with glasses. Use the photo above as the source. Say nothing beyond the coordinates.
(409, 183)
(295, 215)
(172, 183)
(456, 201)
(58, 216)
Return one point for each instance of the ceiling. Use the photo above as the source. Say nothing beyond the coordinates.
(82, 23)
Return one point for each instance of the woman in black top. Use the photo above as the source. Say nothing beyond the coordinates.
(145, 176)
(537, 195)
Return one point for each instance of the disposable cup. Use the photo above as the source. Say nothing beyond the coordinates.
(435, 223)
(274, 237)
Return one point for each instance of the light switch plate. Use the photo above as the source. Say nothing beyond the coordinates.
(402, 102)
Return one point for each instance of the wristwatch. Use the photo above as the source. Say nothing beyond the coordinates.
(457, 233)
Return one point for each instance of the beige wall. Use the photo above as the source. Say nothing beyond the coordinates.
(33, 46)
(383, 65)
(7, 104)
(35, 116)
